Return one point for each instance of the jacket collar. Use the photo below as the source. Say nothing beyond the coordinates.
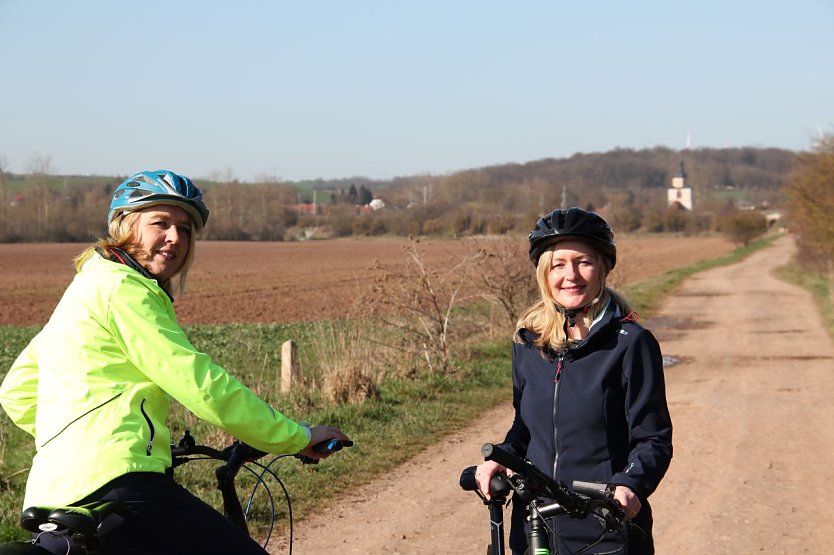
(115, 254)
(612, 315)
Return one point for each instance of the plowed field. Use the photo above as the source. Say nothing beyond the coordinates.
(283, 282)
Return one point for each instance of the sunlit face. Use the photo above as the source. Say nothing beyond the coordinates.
(575, 274)
(164, 236)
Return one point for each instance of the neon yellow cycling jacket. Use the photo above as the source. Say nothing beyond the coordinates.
(93, 388)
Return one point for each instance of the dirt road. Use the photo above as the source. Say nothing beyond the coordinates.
(754, 441)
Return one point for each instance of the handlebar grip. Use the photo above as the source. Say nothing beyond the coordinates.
(499, 485)
(325, 448)
(331, 446)
(467, 479)
(594, 490)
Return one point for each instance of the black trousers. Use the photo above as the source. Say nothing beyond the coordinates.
(164, 518)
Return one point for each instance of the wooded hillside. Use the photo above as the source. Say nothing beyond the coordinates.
(629, 186)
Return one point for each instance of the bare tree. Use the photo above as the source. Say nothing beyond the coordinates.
(505, 274)
(4, 204)
(39, 168)
(418, 301)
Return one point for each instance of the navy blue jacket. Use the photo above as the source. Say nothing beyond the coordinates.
(597, 413)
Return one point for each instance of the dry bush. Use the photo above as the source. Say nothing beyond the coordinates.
(743, 227)
(346, 361)
(504, 275)
(810, 192)
(415, 305)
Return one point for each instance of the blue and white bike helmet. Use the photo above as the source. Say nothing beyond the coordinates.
(158, 187)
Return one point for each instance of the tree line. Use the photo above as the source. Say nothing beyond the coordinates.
(628, 186)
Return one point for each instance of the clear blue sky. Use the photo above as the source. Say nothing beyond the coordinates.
(330, 89)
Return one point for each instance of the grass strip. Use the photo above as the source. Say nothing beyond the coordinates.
(821, 287)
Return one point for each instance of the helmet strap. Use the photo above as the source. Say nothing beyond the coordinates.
(570, 314)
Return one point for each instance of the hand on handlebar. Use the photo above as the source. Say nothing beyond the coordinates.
(484, 473)
(321, 434)
(628, 500)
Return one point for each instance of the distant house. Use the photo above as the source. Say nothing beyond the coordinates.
(377, 204)
(679, 195)
(305, 208)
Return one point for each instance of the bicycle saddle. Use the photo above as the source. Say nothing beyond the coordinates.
(83, 519)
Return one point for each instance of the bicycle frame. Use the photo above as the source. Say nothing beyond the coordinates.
(235, 457)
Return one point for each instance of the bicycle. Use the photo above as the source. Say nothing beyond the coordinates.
(543, 498)
(83, 522)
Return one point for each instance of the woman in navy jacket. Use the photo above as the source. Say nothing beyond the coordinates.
(588, 387)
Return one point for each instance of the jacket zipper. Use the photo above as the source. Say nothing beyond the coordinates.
(150, 425)
(559, 367)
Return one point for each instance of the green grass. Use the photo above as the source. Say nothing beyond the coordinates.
(409, 414)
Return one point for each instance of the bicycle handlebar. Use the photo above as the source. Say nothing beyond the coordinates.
(576, 501)
(238, 453)
(536, 483)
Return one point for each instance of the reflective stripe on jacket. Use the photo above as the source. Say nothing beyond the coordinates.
(93, 388)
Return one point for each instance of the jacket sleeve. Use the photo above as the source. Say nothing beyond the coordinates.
(143, 322)
(19, 390)
(518, 436)
(647, 414)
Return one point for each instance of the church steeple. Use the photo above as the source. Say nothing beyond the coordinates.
(680, 194)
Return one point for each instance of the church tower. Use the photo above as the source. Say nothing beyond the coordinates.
(679, 194)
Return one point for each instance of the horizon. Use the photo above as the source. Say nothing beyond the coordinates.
(373, 90)
(389, 180)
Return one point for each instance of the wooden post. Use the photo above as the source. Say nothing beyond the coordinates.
(289, 365)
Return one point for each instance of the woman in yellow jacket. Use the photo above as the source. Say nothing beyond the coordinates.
(93, 387)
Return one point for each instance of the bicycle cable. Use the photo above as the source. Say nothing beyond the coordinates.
(588, 546)
(260, 480)
(267, 468)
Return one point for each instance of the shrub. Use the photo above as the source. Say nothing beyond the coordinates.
(744, 226)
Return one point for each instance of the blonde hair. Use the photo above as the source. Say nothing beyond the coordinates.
(547, 322)
(122, 235)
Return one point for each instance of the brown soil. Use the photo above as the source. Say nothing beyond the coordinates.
(750, 402)
(284, 282)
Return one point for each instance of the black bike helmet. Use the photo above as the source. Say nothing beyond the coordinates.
(565, 223)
